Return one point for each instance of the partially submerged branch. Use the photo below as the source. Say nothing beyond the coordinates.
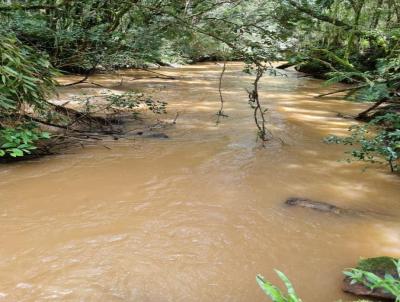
(286, 65)
(83, 80)
(364, 114)
(340, 90)
(259, 112)
(158, 73)
(221, 110)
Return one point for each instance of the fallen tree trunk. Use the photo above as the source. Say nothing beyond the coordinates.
(286, 65)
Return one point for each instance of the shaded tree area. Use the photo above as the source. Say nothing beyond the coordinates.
(42, 38)
(355, 42)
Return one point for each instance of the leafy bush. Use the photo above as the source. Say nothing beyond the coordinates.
(26, 76)
(26, 81)
(18, 141)
(275, 293)
(377, 141)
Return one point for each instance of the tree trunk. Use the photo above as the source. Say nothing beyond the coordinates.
(364, 115)
(377, 15)
(357, 6)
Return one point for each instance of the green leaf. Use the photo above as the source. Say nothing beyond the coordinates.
(289, 286)
(45, 135)
(14, 152)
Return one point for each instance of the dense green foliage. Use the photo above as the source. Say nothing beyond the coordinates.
(357, 42)
(80, 35)
(26, 76)
(20, 140)
(26, 82)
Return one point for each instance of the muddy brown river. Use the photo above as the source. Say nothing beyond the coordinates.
(197, 216)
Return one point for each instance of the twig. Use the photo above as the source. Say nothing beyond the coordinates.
(176, 117)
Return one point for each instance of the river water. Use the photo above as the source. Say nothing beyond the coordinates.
(196, 217)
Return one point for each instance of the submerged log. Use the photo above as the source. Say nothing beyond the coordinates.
(286, 65)
(314, 205)
(379, 266)
(158, 135)
(325, 207)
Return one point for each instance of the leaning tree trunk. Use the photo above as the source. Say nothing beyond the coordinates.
(362, 116)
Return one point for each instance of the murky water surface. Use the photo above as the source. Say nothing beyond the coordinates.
(197, 216)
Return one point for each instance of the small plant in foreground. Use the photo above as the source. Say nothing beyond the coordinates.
(388, 283)
(275, 293)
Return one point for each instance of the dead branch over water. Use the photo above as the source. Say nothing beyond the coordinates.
(259, 113)
(221, 110)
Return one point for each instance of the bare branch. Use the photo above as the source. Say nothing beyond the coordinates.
(221, 110)
(259, 113)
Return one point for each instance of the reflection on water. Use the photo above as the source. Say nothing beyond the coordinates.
(196, 217)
